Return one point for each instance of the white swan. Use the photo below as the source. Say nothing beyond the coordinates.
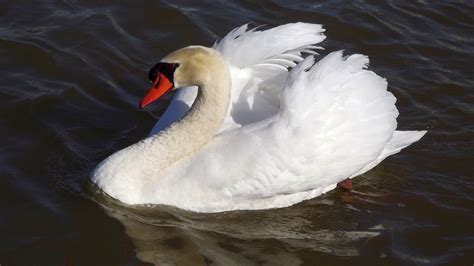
(257, 136)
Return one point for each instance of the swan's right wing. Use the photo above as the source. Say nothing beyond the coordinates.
(258, 62)
(245, 48)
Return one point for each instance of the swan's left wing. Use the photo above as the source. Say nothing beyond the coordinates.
(335, 118)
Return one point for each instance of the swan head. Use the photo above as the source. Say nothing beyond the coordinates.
(189, 66)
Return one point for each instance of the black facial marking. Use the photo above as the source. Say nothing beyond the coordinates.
(166, 69)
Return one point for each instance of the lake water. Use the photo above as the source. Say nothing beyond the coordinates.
(72, 73)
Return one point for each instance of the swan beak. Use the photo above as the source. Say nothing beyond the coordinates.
(161, 86)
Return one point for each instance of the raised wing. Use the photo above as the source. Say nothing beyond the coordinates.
(335, 118)
(245, 48)
(258, 63)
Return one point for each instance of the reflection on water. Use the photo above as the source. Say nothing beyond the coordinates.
(72, 73)
(164, 235)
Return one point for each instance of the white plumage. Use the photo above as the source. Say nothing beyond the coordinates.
(287, 136)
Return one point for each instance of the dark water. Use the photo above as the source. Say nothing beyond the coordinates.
(72, 73)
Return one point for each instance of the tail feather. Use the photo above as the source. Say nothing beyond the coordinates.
(399, 141)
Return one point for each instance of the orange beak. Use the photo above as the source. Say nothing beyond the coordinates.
(160, 86)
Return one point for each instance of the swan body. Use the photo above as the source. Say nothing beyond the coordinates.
(243, 132)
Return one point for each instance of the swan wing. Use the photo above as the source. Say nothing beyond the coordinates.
(244, 48)
(258, 63)
(336, 120)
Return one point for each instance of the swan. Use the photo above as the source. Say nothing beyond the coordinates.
(244, 132)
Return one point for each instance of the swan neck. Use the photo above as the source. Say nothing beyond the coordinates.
(133, 167)
(199, 125)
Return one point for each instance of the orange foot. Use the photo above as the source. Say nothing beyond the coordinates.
(346, 184)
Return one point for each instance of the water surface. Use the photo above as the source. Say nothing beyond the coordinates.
(72, 73)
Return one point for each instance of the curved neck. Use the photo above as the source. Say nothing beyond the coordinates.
(186, 136)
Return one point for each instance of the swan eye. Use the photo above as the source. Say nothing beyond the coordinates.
(166, 69)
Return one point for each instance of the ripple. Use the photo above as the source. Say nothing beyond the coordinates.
(73, 71)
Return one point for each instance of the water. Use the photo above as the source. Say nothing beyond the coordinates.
(72, 73)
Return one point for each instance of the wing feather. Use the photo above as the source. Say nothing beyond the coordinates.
(335, 118)
(258, 62)
(244, 48)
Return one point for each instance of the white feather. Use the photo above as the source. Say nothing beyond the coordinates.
(336, 120)
(254, 57)
(287, 137)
